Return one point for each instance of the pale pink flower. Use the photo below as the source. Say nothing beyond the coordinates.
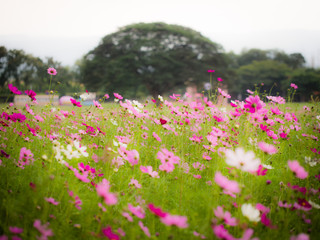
(135, 183)
(137, 211)
(52, 201)
(226, 216)
(25, 158)
(267, 148)
(103, 191)
(156, 137)
(144, 229)
(127, 216)
(106, 96)
(179, 221)
(297, 169)
(168, 159)
(97, 104)
(226, 184)
(223, 93)
(43, 229)
(301, 236)
(148, 169)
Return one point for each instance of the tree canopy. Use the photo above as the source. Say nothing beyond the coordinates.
(151, 58)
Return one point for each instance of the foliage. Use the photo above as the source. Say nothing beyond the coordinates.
(156, 56)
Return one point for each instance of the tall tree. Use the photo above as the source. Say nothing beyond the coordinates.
(154, 58)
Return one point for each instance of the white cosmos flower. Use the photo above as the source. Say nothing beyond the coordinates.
(250, 212)
(240, 159)
(84, 96)
(82, 149)
(70, 153)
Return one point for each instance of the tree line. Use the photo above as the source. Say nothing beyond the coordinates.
(157, 59)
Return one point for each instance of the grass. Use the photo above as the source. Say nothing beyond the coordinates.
(23, 191)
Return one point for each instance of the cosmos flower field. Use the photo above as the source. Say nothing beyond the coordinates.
(177, 169)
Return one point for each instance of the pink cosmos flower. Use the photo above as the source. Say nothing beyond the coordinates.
(157, 211)
(14, 89)
(267, 148)
(253, 104)
(261, 171)
(43, 229)
(97, 104)
(15, 230)
(106, 96)
(144, 229)
(221, 232)
(75, 103)
(179, 221)
(127, 216)
(25, 158)
(52, 201)
(156, 137)
(118, 96)
(301, 236)
(249, 91)
(219, 79)
(297, 169)
(293, 86)
(223, 93)
(135, 183)
(110, 234)
(278, 100)
(226, 216)
(148, 170)
(103, 191)
(226, 184)
(137, 211)
(52, 71)
(211, 71)
(168, 159)
(31, 94)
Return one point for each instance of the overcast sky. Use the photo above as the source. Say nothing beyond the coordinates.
(68, 29)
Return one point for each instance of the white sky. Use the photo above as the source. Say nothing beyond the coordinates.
(67, 29)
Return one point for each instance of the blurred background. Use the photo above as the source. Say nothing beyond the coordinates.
(145, 48)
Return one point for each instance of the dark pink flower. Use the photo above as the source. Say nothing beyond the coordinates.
(109, 234)
(75, 103)
(219, 79)
(31, 94)
(157, 211)
(16, 230)
(14, 89)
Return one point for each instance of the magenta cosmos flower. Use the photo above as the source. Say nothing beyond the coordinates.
(31, 94)
(75, 103)
(297, 169)
(253, 103)
(52, 71)
(14, 89)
